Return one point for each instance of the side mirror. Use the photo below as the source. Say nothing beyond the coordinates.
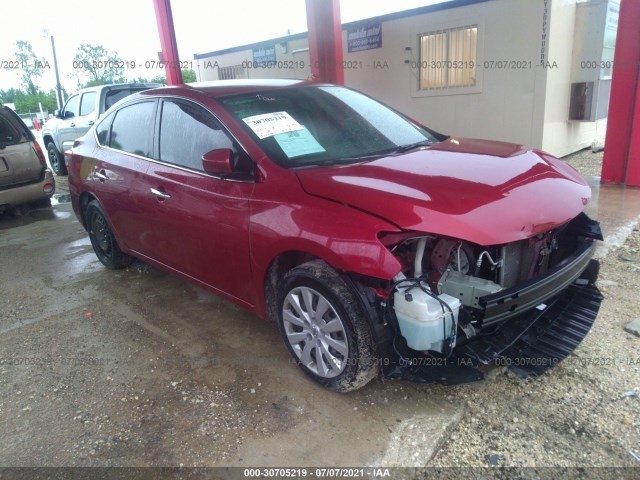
(217, 162)
(68, 114)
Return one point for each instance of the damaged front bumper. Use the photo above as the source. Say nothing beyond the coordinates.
(512, 302)
(529, 344)
(529, 328)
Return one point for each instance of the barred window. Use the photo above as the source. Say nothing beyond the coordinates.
(231, 73)
(448, 58)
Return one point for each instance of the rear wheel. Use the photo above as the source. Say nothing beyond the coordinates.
(56, 160)
(102, 239)
(325, 329)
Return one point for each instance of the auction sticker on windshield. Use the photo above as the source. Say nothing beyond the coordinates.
(270, 124)
(298, 143)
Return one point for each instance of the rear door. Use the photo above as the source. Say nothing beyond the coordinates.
(126, 144)
(19, 163)
(87, 114)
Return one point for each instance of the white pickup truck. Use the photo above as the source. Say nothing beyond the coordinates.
(81, 111)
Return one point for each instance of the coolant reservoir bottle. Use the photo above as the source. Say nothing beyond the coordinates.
(422, 321)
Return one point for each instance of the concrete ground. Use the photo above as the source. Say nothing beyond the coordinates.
(140, 368)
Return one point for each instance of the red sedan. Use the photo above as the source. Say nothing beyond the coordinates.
(374, 243)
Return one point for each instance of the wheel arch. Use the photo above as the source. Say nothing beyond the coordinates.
(47, 138)
(83, 201)
(277, 269)
(287, 259)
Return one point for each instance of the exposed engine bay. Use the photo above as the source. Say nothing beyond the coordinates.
(452, 293)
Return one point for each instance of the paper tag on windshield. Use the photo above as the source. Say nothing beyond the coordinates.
(270, 124)
(298, 143)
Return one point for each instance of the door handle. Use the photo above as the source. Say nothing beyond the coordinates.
(91, 122)
(101, 175)
(72, 124)
(159, 194)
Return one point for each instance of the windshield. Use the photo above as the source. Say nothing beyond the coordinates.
(300, 127)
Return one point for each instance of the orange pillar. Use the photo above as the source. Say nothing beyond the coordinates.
(622, 144)
(325, 40)
(168, 43)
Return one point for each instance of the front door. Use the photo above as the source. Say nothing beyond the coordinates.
(196, 223)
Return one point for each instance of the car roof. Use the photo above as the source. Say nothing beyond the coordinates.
(118, 86)
(221, 88)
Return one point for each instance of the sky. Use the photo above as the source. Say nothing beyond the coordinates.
(129, 28)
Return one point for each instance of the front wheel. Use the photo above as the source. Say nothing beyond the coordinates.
(56, 160)
(325, 329)
(102, 239)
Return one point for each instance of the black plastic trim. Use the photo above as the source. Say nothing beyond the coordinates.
(516, 300)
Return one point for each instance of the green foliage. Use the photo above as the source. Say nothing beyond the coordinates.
(30, 65)
(98, 64)
(159, 79)
(188, 76)
(9, 96)
(28, 103)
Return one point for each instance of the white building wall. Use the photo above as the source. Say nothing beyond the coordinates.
(523, 103)
(562, 136)
(499, 108)
(292, 61)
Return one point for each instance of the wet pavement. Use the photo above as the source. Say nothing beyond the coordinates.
(139, 368)
(617, 208)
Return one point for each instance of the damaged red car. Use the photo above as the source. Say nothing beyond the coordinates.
(374, 243)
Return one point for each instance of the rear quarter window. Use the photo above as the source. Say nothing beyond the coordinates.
(9, 133)
(132, 129)
(103, 129)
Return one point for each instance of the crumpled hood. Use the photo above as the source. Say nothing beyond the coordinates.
(481, 191)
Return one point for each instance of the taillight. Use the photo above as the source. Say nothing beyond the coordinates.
(39, 154)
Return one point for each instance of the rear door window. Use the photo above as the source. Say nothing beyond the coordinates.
(9, 134)
(103, 129)
(132, 129)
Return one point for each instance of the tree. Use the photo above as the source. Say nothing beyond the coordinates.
(98, 64)
(188, 76)
(10, 95)
(29, 103)
(31, 66)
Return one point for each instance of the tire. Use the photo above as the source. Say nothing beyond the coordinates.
(336, 350)
(102, 239)
(56, 160)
